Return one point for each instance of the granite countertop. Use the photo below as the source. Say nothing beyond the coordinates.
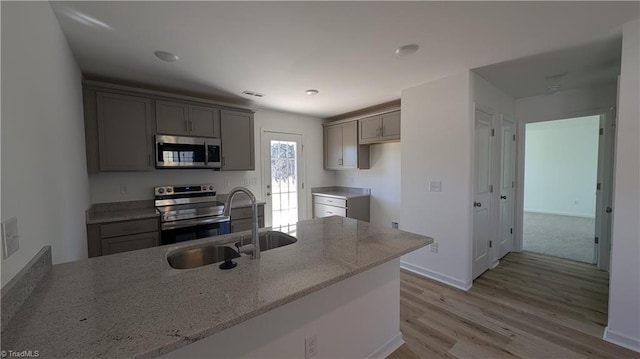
(134, 304)
(341, 195)
(341, 192)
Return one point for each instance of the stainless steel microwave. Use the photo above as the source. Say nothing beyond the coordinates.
(187, 152)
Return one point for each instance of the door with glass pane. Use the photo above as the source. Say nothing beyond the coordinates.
(283, 181)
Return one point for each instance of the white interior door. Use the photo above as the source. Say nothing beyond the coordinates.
(482, 192)
(283, 179)
(507, 184)
(604, 191)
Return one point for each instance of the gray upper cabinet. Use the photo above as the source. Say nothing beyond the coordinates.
(380, 128)
(176, 118)
(341, 149)
(125, 132)
(172, 118)
(236, 136)
(369, 129)
(204, 121)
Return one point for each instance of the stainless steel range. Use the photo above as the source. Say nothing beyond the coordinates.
(190, 212)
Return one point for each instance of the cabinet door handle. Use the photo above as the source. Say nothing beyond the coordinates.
(223, 161)
(206, 154)
(149, 159)
(186, 126)
(190, 126)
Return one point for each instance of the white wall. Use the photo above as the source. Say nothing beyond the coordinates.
(384, 180)
(358, 317)
(561, 166)
(105, 187)
(44, 178)
(624, 285)
(437, 136)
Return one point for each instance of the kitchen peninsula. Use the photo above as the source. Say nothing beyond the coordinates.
(340, 276)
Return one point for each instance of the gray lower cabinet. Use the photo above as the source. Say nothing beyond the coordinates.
(130, 243)
(356, 208)
(380, 128)
(122, 236)
(183, 119)
(242, 218)
(125, 132)
(341, 148)
(236, 136)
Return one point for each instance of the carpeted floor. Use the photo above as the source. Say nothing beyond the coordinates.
(560, 236)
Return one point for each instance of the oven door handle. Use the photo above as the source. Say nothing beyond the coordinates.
(206, 154)
(193, 222)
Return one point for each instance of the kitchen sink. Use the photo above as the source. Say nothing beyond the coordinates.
(197, 257)
(268, 240)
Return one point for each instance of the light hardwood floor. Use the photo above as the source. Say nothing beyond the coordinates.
(530, 306)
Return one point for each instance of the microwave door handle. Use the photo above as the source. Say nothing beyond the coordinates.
(206, 154)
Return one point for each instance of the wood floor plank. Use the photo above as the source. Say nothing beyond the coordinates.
(530, 306)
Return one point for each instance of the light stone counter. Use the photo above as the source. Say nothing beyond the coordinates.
(135, 305)
(341, 192)
(121, 211)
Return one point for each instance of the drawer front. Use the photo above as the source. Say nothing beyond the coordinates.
(245, 212)
(323, 210)
(129, 227)
(130, 243)
(330, 201)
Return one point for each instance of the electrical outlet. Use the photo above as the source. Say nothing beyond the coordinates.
(10, 237)
(310, 346)
(435, 186)
(394, 225)
(434, 247)
(123, 188)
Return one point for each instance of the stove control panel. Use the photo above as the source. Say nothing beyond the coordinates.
(184, 189)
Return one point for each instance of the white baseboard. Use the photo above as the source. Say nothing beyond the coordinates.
(558, 213)
(387, 348)
(621, 340)
(436, 276)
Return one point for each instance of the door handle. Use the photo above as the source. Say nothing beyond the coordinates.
(268, 193)
(206, 154)
(608, 210)
(503, 197)
(477, 204)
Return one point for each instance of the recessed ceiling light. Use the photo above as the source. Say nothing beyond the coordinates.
(312, 92)
(407, 50)
(167, 56)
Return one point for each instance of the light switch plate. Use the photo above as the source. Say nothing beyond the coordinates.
(10, 237)
(435, 186)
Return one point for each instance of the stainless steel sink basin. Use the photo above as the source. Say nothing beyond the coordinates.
(269, 240)
(197, 257)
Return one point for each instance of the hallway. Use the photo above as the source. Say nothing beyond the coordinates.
(530, 306)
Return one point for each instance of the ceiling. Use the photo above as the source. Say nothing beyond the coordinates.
(593, 64)
(343, 49)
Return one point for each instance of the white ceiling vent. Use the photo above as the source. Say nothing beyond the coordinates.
(253, 93)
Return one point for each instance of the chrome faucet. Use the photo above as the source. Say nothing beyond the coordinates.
(255, 243)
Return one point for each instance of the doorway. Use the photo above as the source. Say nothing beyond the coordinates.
(561, 176)
(283, 177)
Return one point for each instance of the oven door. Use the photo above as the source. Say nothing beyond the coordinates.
(187, 152)
(187, 230)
